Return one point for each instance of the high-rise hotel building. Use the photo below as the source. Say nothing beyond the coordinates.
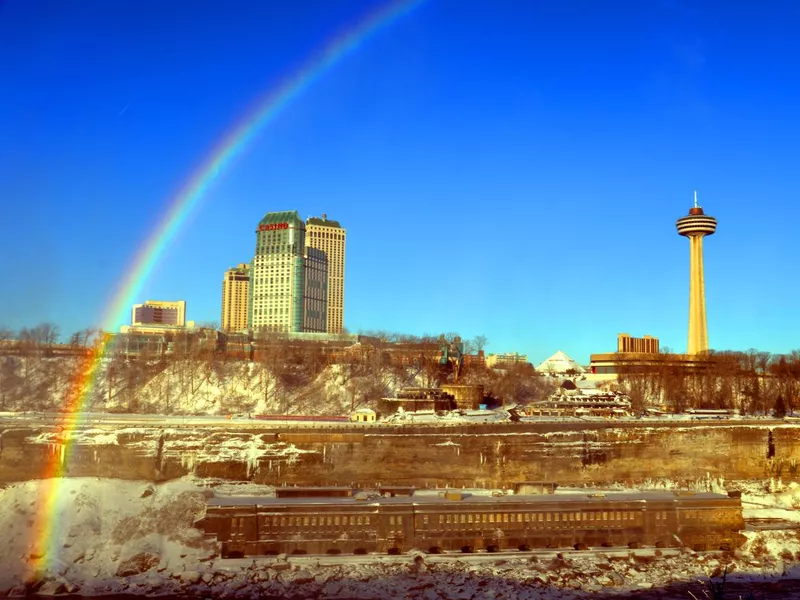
(288, 281)
(331, 238)
(235, 297)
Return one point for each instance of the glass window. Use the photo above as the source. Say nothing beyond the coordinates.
(491, 518)
(399, 520)
(305, 521)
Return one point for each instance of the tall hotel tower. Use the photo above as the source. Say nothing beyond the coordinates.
(696, 226)
(331, 238)
(277, 274)
(288, 281)
(235, 298)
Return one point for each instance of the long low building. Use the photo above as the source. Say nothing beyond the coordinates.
(622, 362)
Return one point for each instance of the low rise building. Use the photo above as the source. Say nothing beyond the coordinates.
(503, 361)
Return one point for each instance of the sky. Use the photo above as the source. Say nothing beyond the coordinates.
(507, 169)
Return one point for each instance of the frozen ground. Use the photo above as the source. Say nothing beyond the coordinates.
(115, 537)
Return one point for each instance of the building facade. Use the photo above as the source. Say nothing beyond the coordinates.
(315, 301)
(158, 312)
(645, 345)
(496, 361)
(277, 274)
(235, 298)
(331, 238)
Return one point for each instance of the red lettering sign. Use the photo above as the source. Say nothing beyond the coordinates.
(272, 226)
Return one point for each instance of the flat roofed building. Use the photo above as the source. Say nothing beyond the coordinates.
(315, 303)
(235, 297)
(277, 274)
(330, 237)
(645, 345)
(505, 360)
(159, 312)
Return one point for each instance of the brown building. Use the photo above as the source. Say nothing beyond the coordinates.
(644, 345)
(467, 397)
(235, 296)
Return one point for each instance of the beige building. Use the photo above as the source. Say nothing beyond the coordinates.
(235, 296)
(331, 238)
(159, 312)
(646, 344)
(506, 360)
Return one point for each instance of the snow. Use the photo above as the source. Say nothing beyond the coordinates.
(116, 537)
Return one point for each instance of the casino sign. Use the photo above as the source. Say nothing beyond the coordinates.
(272, 226)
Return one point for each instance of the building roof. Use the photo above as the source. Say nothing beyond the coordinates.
(419, 499)
(323, 222)
(286, 216)
(559, 363)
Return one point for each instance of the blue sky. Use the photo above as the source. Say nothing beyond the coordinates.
(512, 169)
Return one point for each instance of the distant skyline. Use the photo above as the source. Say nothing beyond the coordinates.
(513, 170)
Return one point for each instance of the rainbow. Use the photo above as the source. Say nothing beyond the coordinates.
(47, 537)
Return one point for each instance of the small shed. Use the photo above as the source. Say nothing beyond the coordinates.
(363, 415)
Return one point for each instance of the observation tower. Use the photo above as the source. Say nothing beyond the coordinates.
(696, 226)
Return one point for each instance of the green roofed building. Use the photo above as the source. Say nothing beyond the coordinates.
(277, 274)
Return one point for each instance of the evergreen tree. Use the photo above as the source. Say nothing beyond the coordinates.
(780, 407)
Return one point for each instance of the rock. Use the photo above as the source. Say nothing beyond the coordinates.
(72, 588)
(332, 588)
(148, 491)
(302, 577)
(280, 566)
(51, 588)
(207, 577)
(616, 578)
(645, 585)
(136, 564)
(18, 591)
(190, 577)
(430, 594)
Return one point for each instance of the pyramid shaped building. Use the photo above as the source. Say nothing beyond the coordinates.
(559, 363)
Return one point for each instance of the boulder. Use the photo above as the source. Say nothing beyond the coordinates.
(18, 591)
(51, 588)
(136, 564)
(190, 577)
(302, 577)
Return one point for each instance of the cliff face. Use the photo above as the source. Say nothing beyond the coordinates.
(490, 456)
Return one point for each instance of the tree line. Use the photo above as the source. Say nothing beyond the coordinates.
(751, 382)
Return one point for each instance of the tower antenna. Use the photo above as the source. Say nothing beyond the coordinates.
(695, 198)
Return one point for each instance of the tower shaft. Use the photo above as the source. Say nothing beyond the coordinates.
(695, 226)
(698, 329)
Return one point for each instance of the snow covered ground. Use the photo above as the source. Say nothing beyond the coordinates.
(115, 537)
